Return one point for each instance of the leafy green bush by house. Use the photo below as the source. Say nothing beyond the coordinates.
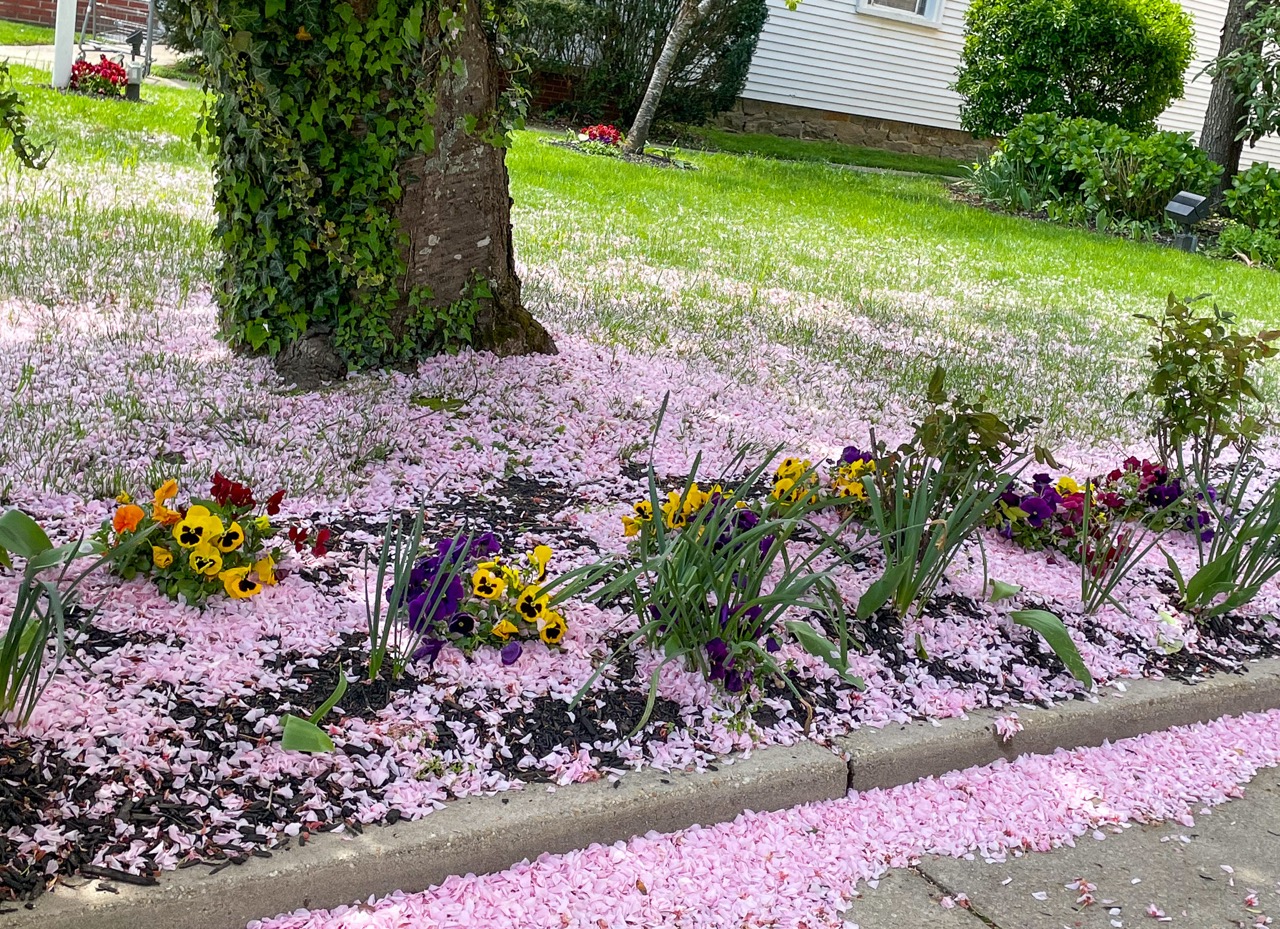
(607, 49)
(1083, 170)
(1254, 198)
(1258, 246)
(1119, 61)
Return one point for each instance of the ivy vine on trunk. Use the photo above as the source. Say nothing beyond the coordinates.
(361, 186)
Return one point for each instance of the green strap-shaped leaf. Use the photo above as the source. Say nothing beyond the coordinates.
(878, 594)
(1003, 590)
(820, 647)
(301, 735)
(1055, 633)
(22, 535)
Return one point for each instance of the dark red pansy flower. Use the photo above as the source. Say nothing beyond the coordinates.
(273, 502)
(321, 546)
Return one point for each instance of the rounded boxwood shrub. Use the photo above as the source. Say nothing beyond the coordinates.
(1082, 170)
(1254, 198)
(1119, 61)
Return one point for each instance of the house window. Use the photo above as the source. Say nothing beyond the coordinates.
(917, 7)
(924, 12)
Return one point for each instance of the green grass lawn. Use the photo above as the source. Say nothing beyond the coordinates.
(12, 33)
(833, 283)
(770, 146)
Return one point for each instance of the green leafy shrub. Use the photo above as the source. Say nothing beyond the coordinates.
(1201, 386)
(1085, 170)
(607, 47)
(1258, 246)
(1254, 198)
(1119, 61)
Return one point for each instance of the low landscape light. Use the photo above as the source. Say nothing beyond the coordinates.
(1186, 209)
(136, 71)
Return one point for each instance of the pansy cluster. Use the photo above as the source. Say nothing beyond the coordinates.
(846, 478)
(678, 510)
(602, 133)
(795, 481)
(467, 593)
(1051, 513)
(219, 544)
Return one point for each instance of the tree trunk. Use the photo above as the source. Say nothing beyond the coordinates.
(1225, 115)
(686, 18)
(456, 207)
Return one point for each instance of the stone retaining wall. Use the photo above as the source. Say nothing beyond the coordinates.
(799, 122)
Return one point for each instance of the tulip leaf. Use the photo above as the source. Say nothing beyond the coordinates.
(305, 735)
(1003, 590)
(301, 735)
(878, 594)
(819, 646)
(338, 690)
(22, 535)
(1055, 633)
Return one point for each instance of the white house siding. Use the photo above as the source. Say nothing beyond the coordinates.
(829, 55)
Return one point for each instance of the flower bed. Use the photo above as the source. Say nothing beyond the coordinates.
(163, 748)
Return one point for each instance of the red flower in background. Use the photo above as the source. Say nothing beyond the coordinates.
(321, 547)
(609, 135)
(273, 502)
(226, 491)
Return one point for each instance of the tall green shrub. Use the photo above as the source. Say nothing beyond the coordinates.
(607, 49)
(1119, 61)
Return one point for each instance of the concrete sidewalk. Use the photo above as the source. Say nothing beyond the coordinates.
(41, 56)
(1200, 877)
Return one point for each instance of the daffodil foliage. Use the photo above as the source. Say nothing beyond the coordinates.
(321, 116)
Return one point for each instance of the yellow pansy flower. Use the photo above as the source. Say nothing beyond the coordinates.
(783, 488)
(237, 584)
(487, 585)
(205, 559)
(231, 539)
(265, 568)
(197, 527)
(161, 557)
(263, 523)
(123, 497)
(552, 627)
(532, 604)
(695, 499)
(1068, 486)
(539, 558)
(673, 514)
(505, 629)
(792, 468)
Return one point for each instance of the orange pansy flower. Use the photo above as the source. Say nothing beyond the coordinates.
(127, 518)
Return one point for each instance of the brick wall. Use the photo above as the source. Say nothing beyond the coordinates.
(44, 12)
(800, 122)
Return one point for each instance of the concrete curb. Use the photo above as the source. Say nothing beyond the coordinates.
(898, 755)
(475, 835)
(486, 834)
